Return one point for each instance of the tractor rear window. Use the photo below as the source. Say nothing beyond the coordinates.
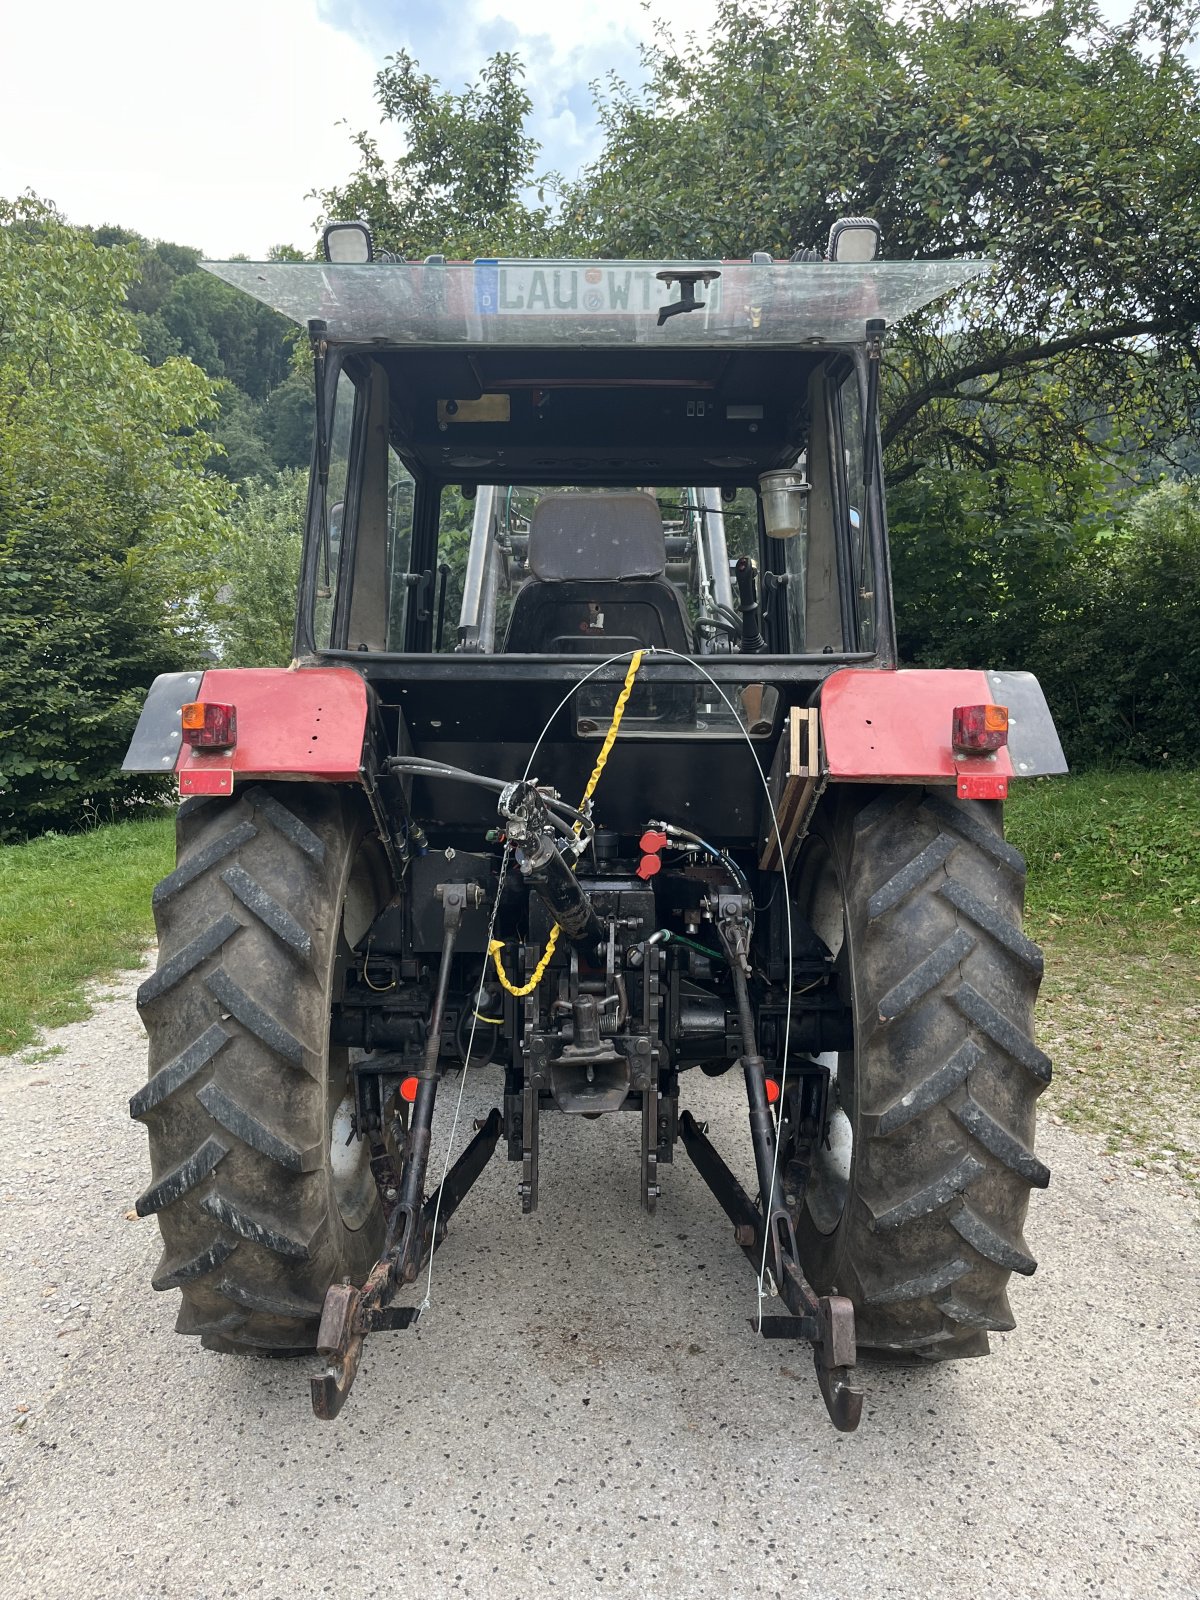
(588, 571)
(364, 587)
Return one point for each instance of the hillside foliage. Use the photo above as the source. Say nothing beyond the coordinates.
(106, 515)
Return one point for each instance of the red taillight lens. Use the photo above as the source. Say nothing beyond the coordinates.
(408, 1089)
(979, 728)
(209, 726)
(772, 1091)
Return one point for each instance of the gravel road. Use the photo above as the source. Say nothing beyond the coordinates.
(584, 1409)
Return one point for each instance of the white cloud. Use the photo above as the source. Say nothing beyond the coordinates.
(205, 126)
(566, 47)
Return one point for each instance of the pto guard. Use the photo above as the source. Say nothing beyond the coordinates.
(895, 727)
(306, 724)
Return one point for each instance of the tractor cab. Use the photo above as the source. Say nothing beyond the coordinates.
(526, 468)
(564, 458)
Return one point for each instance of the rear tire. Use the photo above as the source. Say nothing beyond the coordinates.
(261, 1202)
(916, 1213)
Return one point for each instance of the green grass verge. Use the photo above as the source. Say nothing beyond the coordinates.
(1112, 856)
(1114, 899)
(74, 907)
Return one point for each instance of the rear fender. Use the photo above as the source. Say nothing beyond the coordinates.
(895, 727)
(308, 724)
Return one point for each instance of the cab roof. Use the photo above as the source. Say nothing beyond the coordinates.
(595, 305)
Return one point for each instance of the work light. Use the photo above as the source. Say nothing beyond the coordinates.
(853, 239)
(348, 243)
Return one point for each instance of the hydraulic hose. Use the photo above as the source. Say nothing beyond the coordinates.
(422, 767)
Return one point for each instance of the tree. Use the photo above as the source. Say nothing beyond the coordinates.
(288, 420)
(227, 333)
(1061, 145)
(259, 568)
(458, 188)
(107, 519)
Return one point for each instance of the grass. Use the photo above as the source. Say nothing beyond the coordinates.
(1113, 854)
(74, 907)
(1114, 898)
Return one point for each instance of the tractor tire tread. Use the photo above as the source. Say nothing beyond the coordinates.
(255, 1018)
(948, 1073)
(174, 1274)
(236, 1103)
(196, 865)
(172, 973)
(268, 910)
(285, 820)
(932, 1090)
(179, 1071)
(223, 1108)
(176, 1183)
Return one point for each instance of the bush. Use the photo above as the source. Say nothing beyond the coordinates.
(106, 518)
(259, 566)
(1122, 662)
(1103, 611)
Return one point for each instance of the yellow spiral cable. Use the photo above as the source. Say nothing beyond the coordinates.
(497, 945)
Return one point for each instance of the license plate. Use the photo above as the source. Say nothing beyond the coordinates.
(551, 290)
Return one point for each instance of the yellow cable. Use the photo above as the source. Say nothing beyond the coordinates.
(497, 945)
(635, 662)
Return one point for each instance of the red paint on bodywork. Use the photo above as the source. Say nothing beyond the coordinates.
(307, 723)
(895, 727)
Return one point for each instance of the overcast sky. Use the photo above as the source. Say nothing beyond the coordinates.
(208, 124)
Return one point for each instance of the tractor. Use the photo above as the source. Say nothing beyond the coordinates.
(594, 768)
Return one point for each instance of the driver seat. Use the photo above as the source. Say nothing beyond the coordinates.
(597, 586)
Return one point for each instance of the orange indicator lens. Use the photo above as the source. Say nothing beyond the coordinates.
(207, 725)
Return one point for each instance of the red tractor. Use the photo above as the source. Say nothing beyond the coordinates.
(659, 801)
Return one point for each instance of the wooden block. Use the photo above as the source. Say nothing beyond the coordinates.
(793, 778)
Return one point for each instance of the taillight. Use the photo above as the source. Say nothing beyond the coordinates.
(772, 1091)
(208, 725)
(979, 728)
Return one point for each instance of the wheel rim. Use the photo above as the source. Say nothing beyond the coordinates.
(829, 1185)
(350, 1172)
(351, 1179)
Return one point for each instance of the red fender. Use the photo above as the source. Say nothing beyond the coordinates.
(305, 724)
(895, 727)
